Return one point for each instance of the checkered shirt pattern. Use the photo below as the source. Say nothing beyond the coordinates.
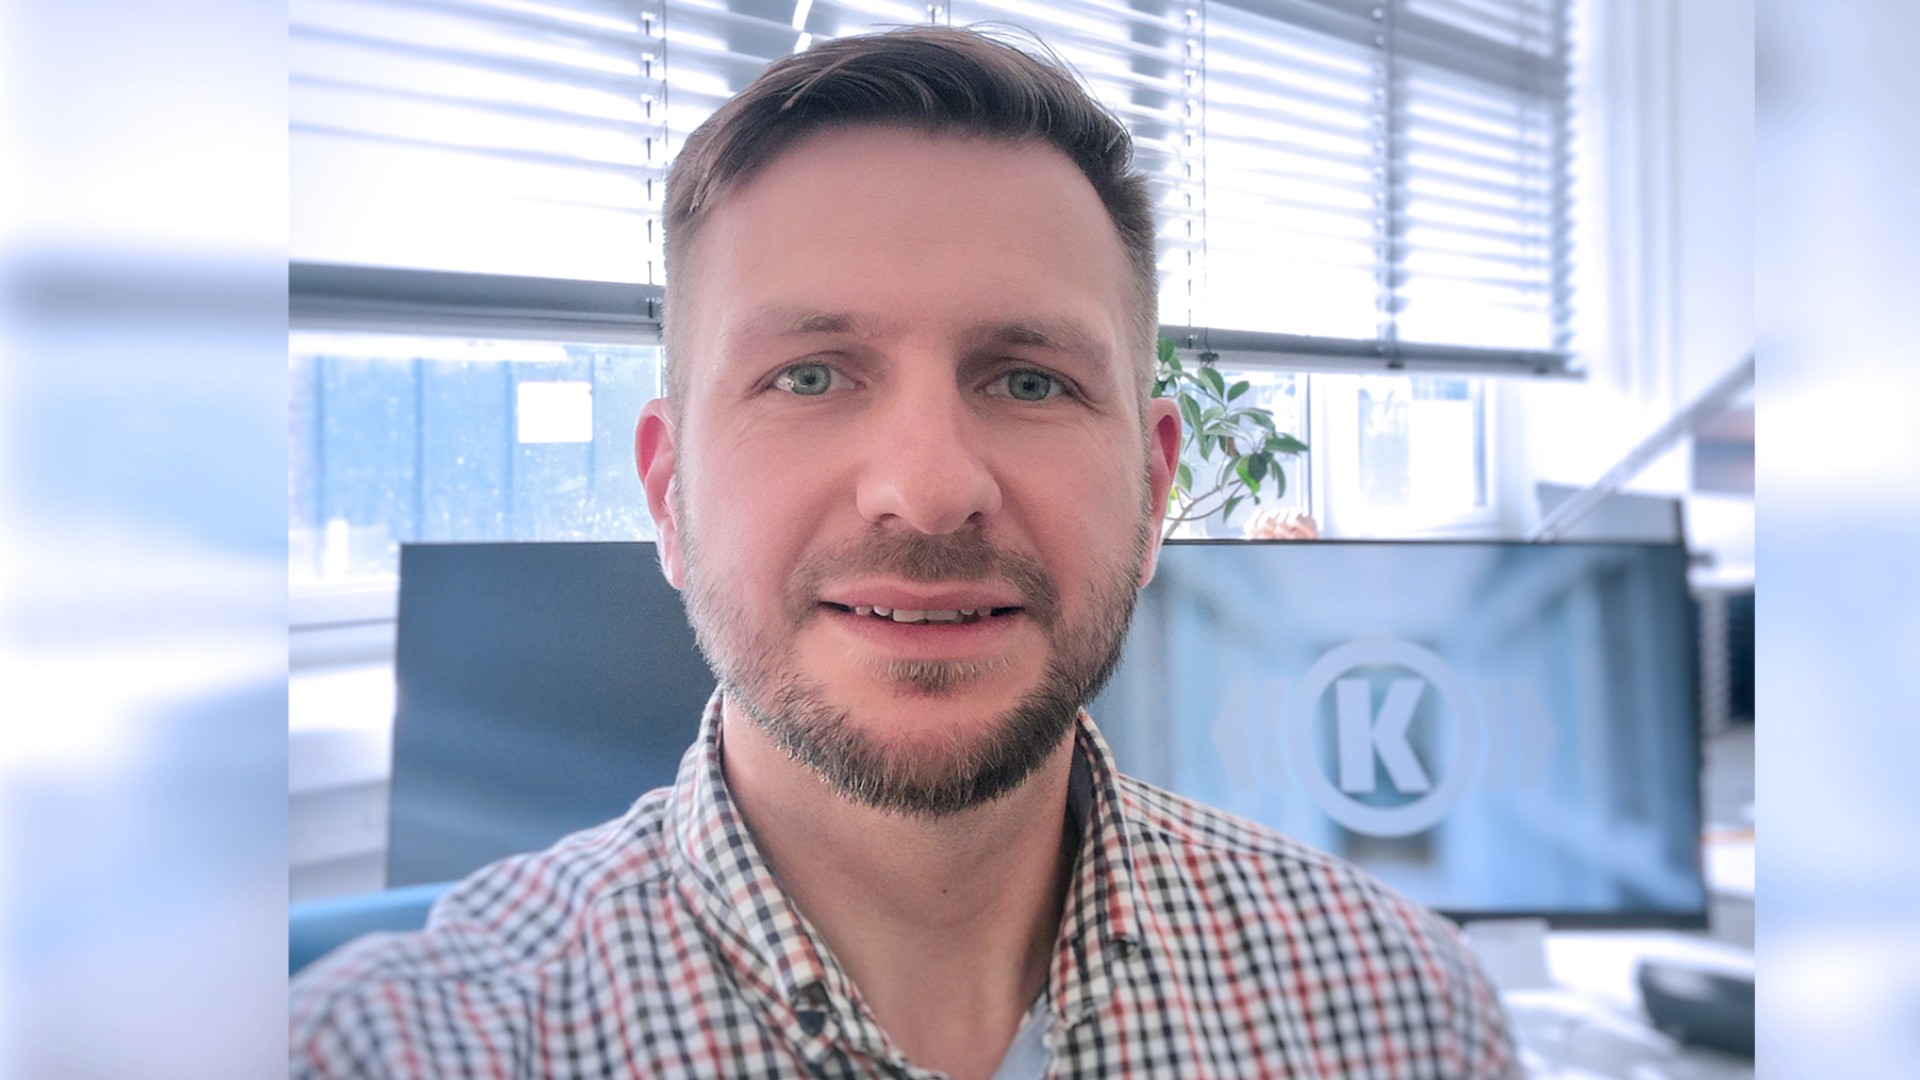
(1193, 945)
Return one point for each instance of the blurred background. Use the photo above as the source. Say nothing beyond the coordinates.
(1836, 159)
(144, 461)
(142, 559)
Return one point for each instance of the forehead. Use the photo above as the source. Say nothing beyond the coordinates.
(889, 227)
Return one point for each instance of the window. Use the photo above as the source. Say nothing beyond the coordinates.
(1364, 209)
(408, 437)
(1284, 394)
(1393, 455)
(1406, 454)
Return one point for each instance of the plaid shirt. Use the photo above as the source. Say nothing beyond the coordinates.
(658, 945)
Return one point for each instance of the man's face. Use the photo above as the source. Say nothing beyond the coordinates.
(909, 490)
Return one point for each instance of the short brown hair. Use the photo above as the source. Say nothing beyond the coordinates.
(936, 79)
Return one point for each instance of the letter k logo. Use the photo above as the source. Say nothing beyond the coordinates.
(1366, 744)
(1363, 737)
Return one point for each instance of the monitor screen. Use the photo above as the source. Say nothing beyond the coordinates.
(1490, 728)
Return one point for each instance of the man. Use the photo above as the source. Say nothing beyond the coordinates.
(909, 480)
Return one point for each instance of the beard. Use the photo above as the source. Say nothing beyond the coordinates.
(756, 668)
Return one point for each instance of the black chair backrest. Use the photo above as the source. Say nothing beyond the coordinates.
(542, 687)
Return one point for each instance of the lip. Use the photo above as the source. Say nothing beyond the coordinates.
(911, 598)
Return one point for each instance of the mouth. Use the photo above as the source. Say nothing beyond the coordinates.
(956, 616)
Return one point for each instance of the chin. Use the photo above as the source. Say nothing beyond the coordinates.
(921, 756)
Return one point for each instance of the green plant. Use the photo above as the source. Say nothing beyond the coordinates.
(1236, 441)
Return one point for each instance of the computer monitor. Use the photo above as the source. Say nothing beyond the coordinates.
(542, 688)
(1494, 729)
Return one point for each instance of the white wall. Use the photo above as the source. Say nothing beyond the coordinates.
(339, 758)
(1666, 296)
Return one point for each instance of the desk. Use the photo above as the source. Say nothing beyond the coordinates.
(1576, 1009)
(1586, 1021)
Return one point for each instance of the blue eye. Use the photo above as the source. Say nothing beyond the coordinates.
(809, 380)
(1032, 386)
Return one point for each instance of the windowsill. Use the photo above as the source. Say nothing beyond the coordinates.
(333, 603)
(1479, 526)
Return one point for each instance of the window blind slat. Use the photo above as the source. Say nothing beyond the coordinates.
(612, 31)
(1349, 21)
(566, 119)
(368, 47)
(638, 171)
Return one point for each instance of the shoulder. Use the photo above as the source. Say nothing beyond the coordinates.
(1166, 826)
(1277, 894)
(374, 1005)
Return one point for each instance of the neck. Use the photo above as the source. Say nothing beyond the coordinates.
(946, 925)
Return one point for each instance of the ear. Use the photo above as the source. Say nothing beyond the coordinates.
(653, 451)
(1163, 456)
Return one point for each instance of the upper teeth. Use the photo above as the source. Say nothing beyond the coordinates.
(910, 616)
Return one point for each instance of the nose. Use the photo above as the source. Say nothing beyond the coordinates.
(927, 465)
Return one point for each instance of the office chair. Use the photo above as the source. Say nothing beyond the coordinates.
(542, 688)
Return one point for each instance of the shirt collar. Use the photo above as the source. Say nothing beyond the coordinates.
(730, 886)
(770, 944)
(1101, 925)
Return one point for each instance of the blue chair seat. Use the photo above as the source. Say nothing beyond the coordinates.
(317, 927)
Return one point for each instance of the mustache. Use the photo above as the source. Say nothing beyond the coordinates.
(943, 559)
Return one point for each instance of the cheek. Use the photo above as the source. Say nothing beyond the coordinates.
(753, 509)
(1087, 500)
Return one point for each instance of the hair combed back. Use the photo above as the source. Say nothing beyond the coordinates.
(940, 80)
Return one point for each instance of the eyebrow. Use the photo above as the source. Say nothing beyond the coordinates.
(791, 322)
(1065, 335)
(1055, 334)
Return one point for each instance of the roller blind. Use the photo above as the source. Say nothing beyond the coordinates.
(1334, 180)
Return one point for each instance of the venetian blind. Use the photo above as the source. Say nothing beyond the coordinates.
(1391, 175)
(1335, 180)
(505, 137)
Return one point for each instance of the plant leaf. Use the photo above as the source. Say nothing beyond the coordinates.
(1279, 481)
(1261, 417)
(1183, 477)
(1238, 388)
(1226, 509)
(1166, 352)
(1190, 412)
(1214, 380)
(1291, 445)
(1257, 467)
